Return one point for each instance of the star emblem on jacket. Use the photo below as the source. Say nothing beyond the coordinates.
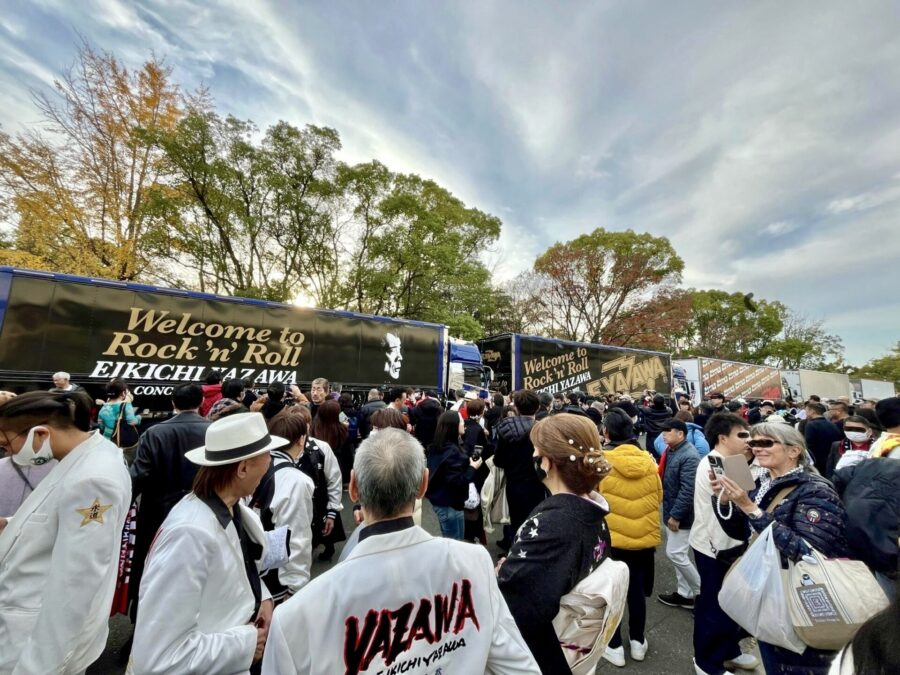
(93, 513)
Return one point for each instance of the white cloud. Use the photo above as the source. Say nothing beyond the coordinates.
(780, 227)
(763, 139)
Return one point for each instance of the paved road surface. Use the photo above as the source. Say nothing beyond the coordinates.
(669, 630)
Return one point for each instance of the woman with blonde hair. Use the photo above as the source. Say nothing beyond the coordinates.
(564, 539)
(803, 509)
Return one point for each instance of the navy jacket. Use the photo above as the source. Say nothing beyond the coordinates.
(871, 493)
(449, 475)
(820, 434)
(812, 512)
(678, 484)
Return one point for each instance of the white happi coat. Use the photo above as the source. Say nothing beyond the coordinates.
(59, 559)
(402, 602)
(197, 605)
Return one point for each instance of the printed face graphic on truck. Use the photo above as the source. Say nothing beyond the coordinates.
(393, 357)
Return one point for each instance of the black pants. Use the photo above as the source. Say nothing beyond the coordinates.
(716, 636)
(522, 498)
(640, 586)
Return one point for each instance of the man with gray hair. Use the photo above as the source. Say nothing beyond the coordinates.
(403, 600)
(375, 402)
(61, 383)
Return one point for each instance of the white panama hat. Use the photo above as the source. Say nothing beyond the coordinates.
(235, 438)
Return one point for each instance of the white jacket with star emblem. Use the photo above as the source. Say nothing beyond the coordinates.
(59, 558)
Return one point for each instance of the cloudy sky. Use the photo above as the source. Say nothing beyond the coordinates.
(762, 138)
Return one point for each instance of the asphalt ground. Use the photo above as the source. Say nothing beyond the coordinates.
(669, 630)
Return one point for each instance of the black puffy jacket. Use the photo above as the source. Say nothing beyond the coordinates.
(514, 449)
(871, 493)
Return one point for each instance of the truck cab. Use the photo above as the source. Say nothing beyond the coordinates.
(467, 372)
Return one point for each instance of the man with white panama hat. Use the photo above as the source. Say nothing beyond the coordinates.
(204, 608)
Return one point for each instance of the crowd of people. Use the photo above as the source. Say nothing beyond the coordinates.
(203, 527)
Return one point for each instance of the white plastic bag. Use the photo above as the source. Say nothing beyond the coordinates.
(474, 501)
(753, 595)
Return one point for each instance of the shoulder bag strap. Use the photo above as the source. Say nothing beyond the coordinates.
(779, 497)
(22, 475)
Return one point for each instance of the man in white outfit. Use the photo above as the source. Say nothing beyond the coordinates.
(59, 554)
(403, 601)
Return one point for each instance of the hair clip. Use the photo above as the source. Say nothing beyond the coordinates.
(571, 442)
(590, 460)
(571, 458)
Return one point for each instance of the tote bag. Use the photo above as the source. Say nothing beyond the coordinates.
(589, 614)
(125, 435)
(829, 599)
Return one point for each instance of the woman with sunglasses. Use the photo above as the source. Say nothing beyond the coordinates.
(805, 510)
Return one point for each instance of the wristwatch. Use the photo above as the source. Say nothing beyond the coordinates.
(756, 514)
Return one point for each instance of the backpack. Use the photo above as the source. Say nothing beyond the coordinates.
(312, 463)
(353, 426)
(265, 491)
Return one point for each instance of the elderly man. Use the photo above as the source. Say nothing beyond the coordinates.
(402, 601)
(61, 383)
(319, 389)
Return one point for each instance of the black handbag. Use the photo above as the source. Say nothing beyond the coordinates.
(125, 435)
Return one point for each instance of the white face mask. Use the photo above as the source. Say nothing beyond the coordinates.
(856, 436)
(27, 456)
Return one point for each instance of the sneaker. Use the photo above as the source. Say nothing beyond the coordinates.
(615, 656)
(743, 662)
(676, 600)
(638, 649)
(699, 671)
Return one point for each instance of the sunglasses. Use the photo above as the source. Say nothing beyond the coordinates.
(860, 429)
(762, 443)
(743, 434)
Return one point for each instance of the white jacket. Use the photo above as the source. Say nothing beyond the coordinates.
(706, 535)
(59, 559)
(405, 602)
(333, 475)
(196, 608)
(292, 505)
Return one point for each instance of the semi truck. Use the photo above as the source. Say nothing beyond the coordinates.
(801, 384)
(864, 389)
(553, 365)
(156, 337)
(697, 378)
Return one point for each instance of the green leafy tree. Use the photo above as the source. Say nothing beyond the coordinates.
(596, 285)
(729, 326)
(251, 219)
(885, 368)
(804, 343)
(412, 249)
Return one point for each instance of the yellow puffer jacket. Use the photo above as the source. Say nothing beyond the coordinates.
(634, 493)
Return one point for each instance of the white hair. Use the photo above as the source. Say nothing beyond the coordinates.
(61, 375)
(388, 467)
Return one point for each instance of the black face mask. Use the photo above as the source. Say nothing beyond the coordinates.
(538, 469)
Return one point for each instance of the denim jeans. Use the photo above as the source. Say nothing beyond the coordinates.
(778, 661)
(716, 635)
(453, 524)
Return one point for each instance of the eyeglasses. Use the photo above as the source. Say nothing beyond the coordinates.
(743, 434)
(5, 445)
(762, 443)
